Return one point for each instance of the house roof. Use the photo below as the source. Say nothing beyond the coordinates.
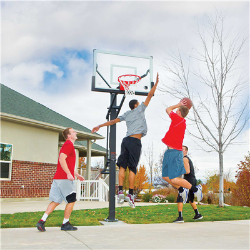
(20, 108)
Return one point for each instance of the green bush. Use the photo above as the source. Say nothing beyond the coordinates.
(171, 198)
(147, 197)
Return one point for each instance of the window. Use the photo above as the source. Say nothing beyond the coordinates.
(6, 161)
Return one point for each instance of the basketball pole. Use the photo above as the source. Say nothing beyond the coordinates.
(112, 169)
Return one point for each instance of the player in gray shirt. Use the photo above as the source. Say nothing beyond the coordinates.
(131, 144)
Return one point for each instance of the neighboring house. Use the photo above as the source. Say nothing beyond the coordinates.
(31, 137)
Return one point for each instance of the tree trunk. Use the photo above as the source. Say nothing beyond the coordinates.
(221, 187)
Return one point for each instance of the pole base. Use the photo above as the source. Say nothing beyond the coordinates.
(111, 220)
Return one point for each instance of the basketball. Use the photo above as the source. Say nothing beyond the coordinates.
(187, 102)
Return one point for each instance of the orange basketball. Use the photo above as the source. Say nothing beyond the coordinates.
(187, 102)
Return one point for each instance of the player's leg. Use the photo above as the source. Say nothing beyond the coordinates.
(170, 182)
(122, 163)
(197, 216)
(56, 198)
(68, 191)
(134, 150)
(130, 197)
(180, 209)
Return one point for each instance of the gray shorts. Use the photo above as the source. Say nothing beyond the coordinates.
(62, 190)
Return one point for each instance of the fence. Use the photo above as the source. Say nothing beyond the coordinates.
(92, 190)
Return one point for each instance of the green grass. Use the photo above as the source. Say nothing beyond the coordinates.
(139, 215)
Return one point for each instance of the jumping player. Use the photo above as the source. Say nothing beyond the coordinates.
(172, 165)
(131, 144)
(190, 177)
(63, 187)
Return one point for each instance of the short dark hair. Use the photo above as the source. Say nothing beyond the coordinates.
(184, 111)
(132, 104)
(185, 147)
(65, 133)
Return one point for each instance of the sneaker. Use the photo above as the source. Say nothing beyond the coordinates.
(179, 220)
(68, 227)
(40, 226)
(184, 195)
(130, 199)
(198, 194)
(120, 197)
(198, 217)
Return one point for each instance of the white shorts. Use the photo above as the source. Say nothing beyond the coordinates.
(63, 190)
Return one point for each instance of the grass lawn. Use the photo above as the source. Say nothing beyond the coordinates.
(139, 215)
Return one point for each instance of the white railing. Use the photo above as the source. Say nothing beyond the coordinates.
(92, 190)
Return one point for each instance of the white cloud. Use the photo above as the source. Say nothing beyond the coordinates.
(36, 33)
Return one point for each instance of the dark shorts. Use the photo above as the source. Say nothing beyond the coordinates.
(173, 165)
(130, 153)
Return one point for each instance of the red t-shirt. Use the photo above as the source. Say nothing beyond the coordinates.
(69, 150)
(175, 135)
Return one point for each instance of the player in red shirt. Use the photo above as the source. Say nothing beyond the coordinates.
(173, 165)
(63, 186)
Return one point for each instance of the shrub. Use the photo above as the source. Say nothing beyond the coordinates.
(158, 198)
(166, 191)
(171, 198)
(241, 191)
(147, 197)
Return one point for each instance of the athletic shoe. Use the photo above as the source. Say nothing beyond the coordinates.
(68, 227)
(40, 226)
(120, 197)
(198, 217)
(184, 195)
(179, 220)
(130, 199)
(198, 194)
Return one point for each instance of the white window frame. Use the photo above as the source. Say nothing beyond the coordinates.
(10, 162)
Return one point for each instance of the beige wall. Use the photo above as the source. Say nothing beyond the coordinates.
(30, 143)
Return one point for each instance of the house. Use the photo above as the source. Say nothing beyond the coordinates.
(30, 142)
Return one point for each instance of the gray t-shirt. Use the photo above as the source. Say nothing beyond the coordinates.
(135, 120)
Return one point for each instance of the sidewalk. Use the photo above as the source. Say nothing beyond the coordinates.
(113, 235)
(20, 206)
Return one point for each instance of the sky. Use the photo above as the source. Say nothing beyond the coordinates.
(47, 50)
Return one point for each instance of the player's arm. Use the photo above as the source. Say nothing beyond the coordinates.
(171, 108)
(152, 91)
(79, 177)
(62, 160)
(186, 165)
(109, 123)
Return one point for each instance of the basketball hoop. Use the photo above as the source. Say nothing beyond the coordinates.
(128, 83)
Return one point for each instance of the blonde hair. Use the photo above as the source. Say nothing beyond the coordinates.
(184, 111)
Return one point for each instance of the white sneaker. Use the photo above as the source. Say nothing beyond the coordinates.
(120, 199)
(184, 195)
(130, 199)
(198, 194)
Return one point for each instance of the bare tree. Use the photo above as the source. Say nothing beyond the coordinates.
(149, 155)
(212, 76)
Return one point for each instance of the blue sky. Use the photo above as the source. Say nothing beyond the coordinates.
(47, 51)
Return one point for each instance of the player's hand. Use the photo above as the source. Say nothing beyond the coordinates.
(182, 103)
(95, 129)
(70, 177)
(80, 178)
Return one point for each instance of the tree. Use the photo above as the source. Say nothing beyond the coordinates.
(141, 179)
(212, 182)
(241, 191)
(149, 154)
(216, 86)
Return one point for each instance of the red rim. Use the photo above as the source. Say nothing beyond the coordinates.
(129, 82)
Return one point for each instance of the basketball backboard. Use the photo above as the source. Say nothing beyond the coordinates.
(108, 66)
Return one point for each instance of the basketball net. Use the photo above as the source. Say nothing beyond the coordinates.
(129, 83)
